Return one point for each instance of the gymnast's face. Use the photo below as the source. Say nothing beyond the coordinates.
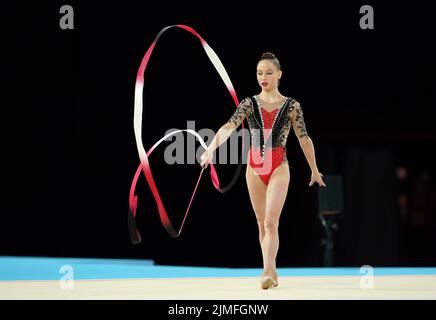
(268, 75)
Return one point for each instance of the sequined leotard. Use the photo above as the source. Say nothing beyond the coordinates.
(269, 131)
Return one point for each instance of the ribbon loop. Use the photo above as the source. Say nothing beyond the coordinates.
(144, 165)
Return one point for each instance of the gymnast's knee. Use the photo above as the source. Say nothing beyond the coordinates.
(271, 226)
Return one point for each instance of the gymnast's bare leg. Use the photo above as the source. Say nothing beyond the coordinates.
(267, 202)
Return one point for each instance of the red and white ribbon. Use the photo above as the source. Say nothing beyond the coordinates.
(144, 166)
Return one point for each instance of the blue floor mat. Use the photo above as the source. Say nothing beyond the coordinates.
(45, 268)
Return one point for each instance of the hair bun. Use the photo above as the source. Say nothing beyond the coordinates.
(268, 55)
(271, 57)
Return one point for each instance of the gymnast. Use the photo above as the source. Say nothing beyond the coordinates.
(270, 116)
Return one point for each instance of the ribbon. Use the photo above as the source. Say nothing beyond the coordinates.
(144, 165)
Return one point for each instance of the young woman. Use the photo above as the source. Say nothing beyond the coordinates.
(270, 117)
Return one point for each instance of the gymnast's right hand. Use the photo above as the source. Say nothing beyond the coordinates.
(206, 158)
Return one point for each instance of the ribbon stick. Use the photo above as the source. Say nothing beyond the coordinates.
(144, 165)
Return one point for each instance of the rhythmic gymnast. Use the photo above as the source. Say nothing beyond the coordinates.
(270, 116)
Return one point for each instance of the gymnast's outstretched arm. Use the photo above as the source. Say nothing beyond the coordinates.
(226, 130)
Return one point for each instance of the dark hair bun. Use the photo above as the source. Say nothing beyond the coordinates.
(268, 55)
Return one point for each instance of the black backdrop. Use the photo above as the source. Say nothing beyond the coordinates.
(69, 152)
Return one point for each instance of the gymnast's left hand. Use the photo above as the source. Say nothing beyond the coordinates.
(316, 177)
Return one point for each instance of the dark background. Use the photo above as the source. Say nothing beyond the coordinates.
(69, 153)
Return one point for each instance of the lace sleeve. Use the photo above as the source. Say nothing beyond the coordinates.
(298, 121)
(242, 111)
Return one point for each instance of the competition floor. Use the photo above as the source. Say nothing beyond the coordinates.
(38, 278)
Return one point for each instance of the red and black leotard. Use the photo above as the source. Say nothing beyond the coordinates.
(269, 131)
